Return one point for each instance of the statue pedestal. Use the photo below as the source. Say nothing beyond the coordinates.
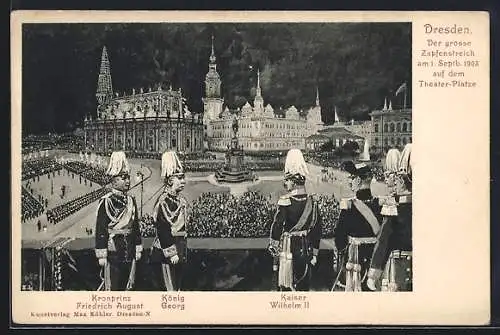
(234, 171)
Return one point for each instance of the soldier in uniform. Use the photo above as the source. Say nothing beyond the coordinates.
(357, 228)
(170, 217)
(118, 243)
(396, 230)
(296, 229)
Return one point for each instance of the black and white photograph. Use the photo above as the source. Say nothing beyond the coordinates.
(217, 157)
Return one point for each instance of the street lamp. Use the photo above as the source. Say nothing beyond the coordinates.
(52, 183)
(140, 177)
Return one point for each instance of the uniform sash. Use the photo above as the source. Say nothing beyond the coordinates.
(353, 266)
(124, 218)
(119, 222)
(367, 214)
(177, 226)
(285, 270)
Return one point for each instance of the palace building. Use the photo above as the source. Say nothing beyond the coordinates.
(152, 121)
(391, 128)
(362, 129)
(260, 127)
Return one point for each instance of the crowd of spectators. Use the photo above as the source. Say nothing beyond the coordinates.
(31, 208)
(146, 226)
(378, 173)
(197, 156)
(213, 165)
(222, 215)
(323, 160)
(67, 141)
(270, 165)
(61, 212)
(330, 211)
(34, 168)
(202, 165)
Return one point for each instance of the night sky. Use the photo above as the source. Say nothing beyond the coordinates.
(354, 65)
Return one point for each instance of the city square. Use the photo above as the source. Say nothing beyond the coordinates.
(233, 144)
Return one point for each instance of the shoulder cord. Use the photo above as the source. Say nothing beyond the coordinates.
(171, 214)
(108, 203)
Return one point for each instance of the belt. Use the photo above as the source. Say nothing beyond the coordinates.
(179, 234)
(119, 231)
(401, 254)
(361, 240)
(296, 233)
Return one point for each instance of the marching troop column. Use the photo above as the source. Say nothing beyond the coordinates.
(118, 238)
(170, 217)
(296, 229)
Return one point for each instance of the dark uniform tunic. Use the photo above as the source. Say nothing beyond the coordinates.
(290, 210)
(396, 231)
(170, 215)
(352, 223)
(117, 238)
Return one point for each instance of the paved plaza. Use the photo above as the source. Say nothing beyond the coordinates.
(77, 225)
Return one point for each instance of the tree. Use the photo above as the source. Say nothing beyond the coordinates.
(328, 146)
(350, 147)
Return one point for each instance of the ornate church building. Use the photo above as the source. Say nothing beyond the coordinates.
(151, 121)
(260, 128)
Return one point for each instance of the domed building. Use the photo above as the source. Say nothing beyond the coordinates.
(146, 122)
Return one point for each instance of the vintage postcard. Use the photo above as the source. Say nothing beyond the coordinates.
(308, 168)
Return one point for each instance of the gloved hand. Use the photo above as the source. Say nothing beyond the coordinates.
(103, 261)
(138, 256)
(314, 260)
(174, 259)
(273, 251)
(371, 284)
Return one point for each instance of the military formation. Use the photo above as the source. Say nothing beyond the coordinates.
(373, 244)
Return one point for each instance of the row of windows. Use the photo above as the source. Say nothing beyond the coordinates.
(119, 133)
(225, 144)
(266, 125)
(393, 140)
(394, 127)
(150, 143)
(245, 134)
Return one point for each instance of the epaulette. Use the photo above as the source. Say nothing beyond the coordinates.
(387, 200)
(284, 200)
(107, 195)
(345, 203)
(183, 200)
(404, 199)
(389, 206)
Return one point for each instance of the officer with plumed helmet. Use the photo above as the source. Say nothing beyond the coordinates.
(118, 243)
(357, 228)
(395, 239)
(170, 217)
(296, 228)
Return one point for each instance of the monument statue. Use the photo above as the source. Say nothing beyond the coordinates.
(234, 171)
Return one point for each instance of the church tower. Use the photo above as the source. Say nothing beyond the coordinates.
(314, 115)
(258, 101)
(104, 85)
(212, 102)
